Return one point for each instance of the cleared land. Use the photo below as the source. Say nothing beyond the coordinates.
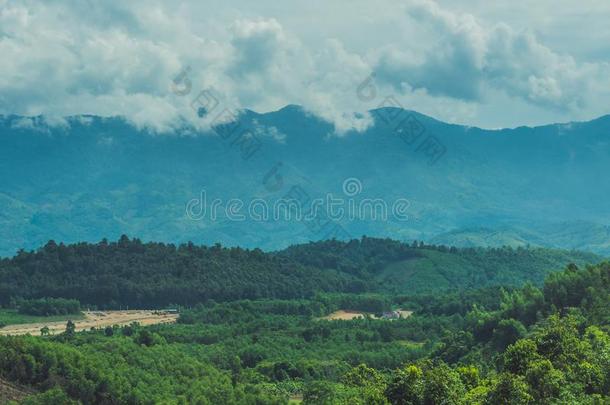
(93, 319)
(405, 313)
(344, 315)
(349, 315)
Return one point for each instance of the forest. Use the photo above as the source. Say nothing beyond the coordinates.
(130, 273)
(526, 342)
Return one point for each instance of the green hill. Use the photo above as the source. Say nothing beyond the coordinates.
(469, 268)
(580, 235)
(147, 275)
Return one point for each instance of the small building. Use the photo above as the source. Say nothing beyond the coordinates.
(391, 315)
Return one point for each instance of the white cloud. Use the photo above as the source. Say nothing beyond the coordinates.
(467, 57)
(457, 63)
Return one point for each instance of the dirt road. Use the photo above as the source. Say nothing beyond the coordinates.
(95, 319)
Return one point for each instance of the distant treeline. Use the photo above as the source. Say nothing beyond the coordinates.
(129, 273)
(48, 306)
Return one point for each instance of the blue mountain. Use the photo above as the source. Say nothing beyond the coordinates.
(95, 177)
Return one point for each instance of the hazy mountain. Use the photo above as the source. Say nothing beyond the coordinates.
(95, 177)
(568, 235)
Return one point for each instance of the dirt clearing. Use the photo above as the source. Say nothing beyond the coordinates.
(94, 319)
(344, 315)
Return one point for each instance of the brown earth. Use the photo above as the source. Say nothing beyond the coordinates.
(344, 315)
(12, 392)
(94, 319)
(349, 315)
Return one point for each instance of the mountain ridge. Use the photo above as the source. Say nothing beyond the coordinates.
(290, 108)
(100, 177)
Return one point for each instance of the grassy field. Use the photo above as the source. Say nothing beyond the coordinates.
(11, 317)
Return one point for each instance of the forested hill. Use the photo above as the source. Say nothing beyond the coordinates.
(131, 273)
(407, 268)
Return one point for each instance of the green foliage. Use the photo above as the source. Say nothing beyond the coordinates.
(49, 307)
(70, 328)
(55, 396)
(508, 331)
(508, 389)
(12, 317)
(406, 387)
(509, 345)
(129, 273)
(442, 384)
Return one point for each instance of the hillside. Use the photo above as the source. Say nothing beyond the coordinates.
(12, 392)
(580, 235)
(414, 268)
(144, 275)
(102, 177)
(488, 346)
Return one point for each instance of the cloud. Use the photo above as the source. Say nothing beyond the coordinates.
(65, 57)
(467, 57)
(258, 44)
(451, 67)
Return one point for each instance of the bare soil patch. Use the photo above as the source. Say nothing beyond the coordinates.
(347, 315)
(344, 315)
(94, 319)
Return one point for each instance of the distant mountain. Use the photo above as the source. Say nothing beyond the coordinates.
(94, 177)
(579, 235)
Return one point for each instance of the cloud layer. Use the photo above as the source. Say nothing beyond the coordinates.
(469, 66)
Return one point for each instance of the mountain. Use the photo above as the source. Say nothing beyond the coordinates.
(566, 235)
(90, 177)
(144, 275)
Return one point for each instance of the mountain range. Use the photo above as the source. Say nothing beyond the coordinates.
(88, 178)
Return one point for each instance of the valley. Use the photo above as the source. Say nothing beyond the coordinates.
(317, 323)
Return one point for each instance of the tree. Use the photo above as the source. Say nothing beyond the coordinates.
(406, 386)
(369, 382)
(362, 375)
(442, 386)
(469, 376)
(318, 393)
(507, 332)
(509, 389)
(544, 380)
(53, 396)
(70, 328)
(519, 355)
(145, 338)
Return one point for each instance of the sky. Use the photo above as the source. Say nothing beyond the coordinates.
(480, 63)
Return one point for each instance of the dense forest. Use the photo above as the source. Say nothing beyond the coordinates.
(519, 343)
(528, 345)
(129, 273)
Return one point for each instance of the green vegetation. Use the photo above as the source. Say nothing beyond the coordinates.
(528, 344)
(49, 307)
(13, 317)
(155, 275)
